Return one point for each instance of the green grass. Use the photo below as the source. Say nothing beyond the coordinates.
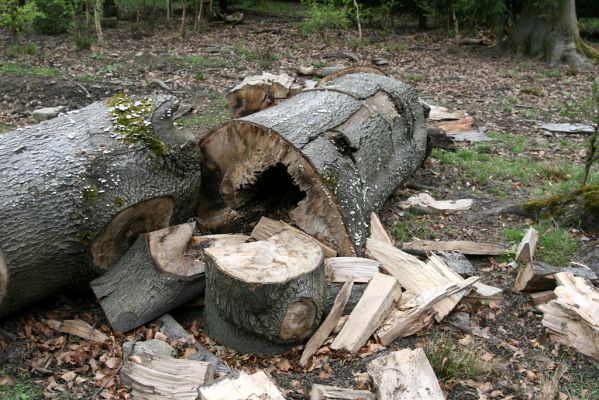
(556, 245)
(28, 48)
(23, 389)
(22, 69)
(264, 57)
(411, 226)
(588, 24)
(412, 77)
(210, 118)
(583, 383)
(5, 127)
(453, 361)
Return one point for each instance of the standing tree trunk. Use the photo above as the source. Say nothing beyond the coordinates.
(324, 159)
(98, 21)
(552, 35)
(77, 191)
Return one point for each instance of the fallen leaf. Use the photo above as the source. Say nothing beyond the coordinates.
(283, 365)
(161, 336)
(69, 376)
(7, 380)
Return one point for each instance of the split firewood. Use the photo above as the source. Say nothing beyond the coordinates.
(437, 113)
(425, 203)
(464, 247)
(324, 392)
(572, 318)
(417, 314)
(315, 71)
(377, 230)
(539, 276)
(154, 377)
(405, 374)
(361, 270)
(267, 228)
(77, 327)
(414, 275)
(322, 160)
(376, 303)
(245, 387)
(527, 247)
(542, 297)
(330, 322)
(270, 292)
(462, 125)
(85, 184)
(151, 279)
(258, 92)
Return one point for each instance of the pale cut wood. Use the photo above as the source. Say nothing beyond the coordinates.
(267, 228)
(527, 247)
(160, 377)
(77, 327)
(416, 314)
(424, 202)
(258, 92)
(377, 230)
(485, 292)
(573, 317)
(461, 246)
(324, 392)
(413, 274)
(539, 276)
(219, 240)
(405, 374)
(542, 297)
(361, 270)
(340, 324)
(376, 303)
(465, 124)
(245, 387)
(330, 322)
(437, 113)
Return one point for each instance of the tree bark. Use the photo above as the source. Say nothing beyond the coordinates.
(553, 35)
(75, 195)
(324, 159)
(273, 291)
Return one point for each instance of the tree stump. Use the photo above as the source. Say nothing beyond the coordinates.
(83, 186)
(324, 160)
(262, 296)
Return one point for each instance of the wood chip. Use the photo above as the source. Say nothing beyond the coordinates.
(361, 270)
(245, 387)
(527, 247)
(377, 230)
(424, 202)
(461, 246)
(77, 327)
(323, 392)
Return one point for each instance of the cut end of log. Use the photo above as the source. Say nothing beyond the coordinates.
(251, 172)
(299, 321)
(167, 248)
(281, 258)
(123, 229)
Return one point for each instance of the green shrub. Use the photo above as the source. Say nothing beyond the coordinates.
(56, 16)
(325, 16)
(17, 18)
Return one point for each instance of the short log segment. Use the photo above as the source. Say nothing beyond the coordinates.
(324, 159)
(151, 279)
(64, 180)
(272, 291)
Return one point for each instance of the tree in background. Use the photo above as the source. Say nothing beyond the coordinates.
(17, 17)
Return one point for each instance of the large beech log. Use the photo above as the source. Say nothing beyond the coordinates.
(267, 292)
(324, 159)
(71, 182)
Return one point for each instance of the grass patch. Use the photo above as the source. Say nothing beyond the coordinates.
(29, 48)
(454, 361)
(21, 69)
(5, 127)
(264, 57)
(23, 389)
(556, 245)
(583, 383)
(410, 227)
(216, 114)
(412, 77)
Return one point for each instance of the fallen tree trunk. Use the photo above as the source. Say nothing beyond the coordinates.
(324, 159)
(267, 293)
(83, 186)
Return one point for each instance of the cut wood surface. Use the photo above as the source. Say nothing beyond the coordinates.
(324, 392)
(415, 275)
(77, 327)
(160, 377)
(377, 230)
(540, 276)
(64, 183)
(330, 322)
(406, 375)
(461, 246)
(361, 270)
(273, 289)
(417, 313)
(322, 160)
(443, 114)
(153, 277)
(527, 247)
(245, 387)
(424, 202)
(542, 297)
(267, 228)
(461, 125)
(376, 303)
(572, 318)
(258, 92)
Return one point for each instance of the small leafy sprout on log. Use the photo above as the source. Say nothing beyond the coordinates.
(90, 194)
(330, 177)
(118, 202)
(131, 120)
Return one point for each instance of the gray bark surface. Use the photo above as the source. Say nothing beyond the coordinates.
(363, 133)
(63, 180)
(135, 291)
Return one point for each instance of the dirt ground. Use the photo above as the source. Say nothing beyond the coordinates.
(507, 95)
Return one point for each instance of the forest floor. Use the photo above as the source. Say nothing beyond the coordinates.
(508, 96)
